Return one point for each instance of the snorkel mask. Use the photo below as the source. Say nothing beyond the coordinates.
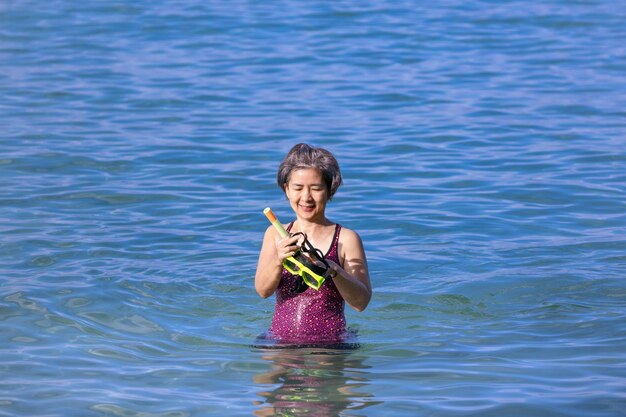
(302, 264)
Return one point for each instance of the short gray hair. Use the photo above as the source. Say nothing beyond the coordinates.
(303, 156)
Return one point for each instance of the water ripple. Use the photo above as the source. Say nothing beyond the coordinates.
(482, 151)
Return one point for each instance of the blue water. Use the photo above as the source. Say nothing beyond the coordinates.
(483, 147)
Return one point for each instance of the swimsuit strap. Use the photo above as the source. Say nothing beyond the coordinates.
(334, 246)
(336, 238)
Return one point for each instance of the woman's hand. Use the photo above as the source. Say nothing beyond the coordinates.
(286, 247)
(274, 251)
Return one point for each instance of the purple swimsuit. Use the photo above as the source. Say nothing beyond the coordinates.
(312, 316)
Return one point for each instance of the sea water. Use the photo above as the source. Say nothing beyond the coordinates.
(483, 150)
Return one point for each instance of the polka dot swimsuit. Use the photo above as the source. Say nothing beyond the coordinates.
(312, 316)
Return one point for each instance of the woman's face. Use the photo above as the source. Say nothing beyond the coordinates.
(307, 193)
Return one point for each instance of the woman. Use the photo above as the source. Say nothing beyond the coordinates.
(310, 177)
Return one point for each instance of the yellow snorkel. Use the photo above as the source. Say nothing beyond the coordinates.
(277, 225)
(312, 275)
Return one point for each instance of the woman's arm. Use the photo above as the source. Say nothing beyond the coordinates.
(269, 268)
(352, 280)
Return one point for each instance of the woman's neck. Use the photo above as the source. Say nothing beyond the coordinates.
(311, 228)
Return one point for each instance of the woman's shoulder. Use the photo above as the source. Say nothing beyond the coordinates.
(271, 230)
(286, 226)
(348, 236)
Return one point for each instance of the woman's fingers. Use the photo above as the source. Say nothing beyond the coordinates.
(286, 247)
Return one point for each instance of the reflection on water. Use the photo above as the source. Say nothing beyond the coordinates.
(312, 382)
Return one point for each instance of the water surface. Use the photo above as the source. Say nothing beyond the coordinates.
(482, 147)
